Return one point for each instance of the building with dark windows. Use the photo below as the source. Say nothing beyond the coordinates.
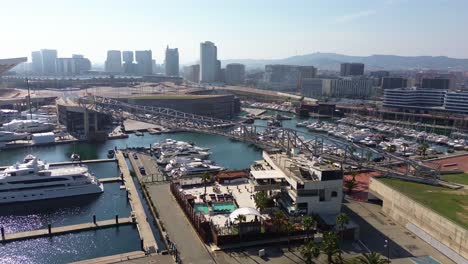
(312, 87)
(144, 59)
(171, 62)
(352, 69)
(235, 73)
(287, 77)
(414, 98)
(394, 82)
(219, 106)
(435, 83)
(113, 62)
(456, 102)
(337, 88)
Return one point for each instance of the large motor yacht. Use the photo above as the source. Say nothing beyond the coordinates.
(35, 180)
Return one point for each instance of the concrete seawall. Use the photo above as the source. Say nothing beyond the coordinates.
(441, 233)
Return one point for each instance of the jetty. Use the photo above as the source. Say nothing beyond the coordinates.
(53, 231)
(110, 180)
(144, 229)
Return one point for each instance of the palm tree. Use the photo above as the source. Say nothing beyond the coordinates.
(342, 221)
(391, 148)
(423, 149)
(261, 200)
(350, 184)
(308, 223)
(330, 245)
(278, 219)
(290, 227)
(206, 177)
(310, 251)
(372, 258)
(240, 219)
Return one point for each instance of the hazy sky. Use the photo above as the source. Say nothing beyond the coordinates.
(240, 28)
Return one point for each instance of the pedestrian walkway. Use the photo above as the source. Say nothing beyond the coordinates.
(178, 227)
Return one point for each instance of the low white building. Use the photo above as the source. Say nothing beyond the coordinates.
(306, 186)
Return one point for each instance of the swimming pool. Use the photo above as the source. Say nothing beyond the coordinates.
(229, 206)
(202, 208)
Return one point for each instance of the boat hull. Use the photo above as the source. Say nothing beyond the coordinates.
(50, 193)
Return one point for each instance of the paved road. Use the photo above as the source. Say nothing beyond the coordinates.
(375, 227)
(178, 227)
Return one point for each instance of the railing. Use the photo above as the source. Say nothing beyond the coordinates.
(267, 137)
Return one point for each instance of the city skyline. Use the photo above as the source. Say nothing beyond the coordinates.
(395, 27)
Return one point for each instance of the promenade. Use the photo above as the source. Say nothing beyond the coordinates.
(144, 229)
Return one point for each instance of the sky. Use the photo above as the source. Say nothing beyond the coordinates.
(255, 29)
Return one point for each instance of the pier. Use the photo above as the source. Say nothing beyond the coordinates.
(52, 231)
(110, 180)
(144, 229)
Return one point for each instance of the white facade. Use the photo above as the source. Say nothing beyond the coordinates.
(307, 187)
(208, 62)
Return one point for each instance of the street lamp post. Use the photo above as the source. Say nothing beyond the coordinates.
(387, 246)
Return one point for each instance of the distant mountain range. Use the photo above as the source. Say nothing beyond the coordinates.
(331, 61)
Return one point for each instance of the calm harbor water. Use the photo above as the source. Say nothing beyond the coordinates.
(92, 244)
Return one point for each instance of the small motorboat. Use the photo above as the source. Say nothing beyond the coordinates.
(75, 157)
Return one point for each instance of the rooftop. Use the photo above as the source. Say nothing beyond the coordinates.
(452, 204)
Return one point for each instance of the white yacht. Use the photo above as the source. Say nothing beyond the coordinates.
(6, 136)
(35, 180)
(29, 126)
(166, 157)
(196, 168)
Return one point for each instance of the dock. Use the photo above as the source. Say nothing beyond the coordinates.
(110, 180)
(144, 229)
(66, 229)
(254, 111)
(64, 163)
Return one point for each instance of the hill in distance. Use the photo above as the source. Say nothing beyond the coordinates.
(331, 61)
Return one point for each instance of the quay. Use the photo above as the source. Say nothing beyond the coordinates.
(144, 229)
(254, 111)
(110, 180)
(52, 231)
(63, 163)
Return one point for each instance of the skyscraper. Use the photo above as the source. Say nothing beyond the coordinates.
(128, 65)
(114, 61)
(36, 59)
(48, 61)
(127, 56)
(352, 69)
(144, 60)
(235, 73)
(208, 62)
(172, 62)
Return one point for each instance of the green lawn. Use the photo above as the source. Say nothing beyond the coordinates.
(461, 178)
(453, 204)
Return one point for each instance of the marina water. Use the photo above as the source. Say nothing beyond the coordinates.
(60, 212)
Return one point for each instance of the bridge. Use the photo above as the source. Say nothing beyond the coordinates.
(345, 153)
